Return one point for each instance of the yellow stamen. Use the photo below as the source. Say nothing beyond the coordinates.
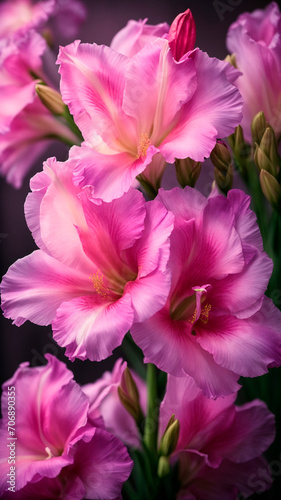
(143, 145)
(99, 286)
(205, 314)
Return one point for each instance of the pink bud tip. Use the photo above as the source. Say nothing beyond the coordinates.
(182, 34)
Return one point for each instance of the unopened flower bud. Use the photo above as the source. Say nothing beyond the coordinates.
(231, 59)
(163, 466)
(170, 437)
(187, 171)
(271, 189)
(51, 99)
(221, 159)
(266, 155)
(258, 127)
(236, 140)
(182, 35)
(129, 396)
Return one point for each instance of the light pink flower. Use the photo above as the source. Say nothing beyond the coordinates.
(256, 41)
(26, 126)
(104, 400)
(216, 324)
(18, 17)
(100, 267)
(59, 453)
(220, 445)
(130, 108)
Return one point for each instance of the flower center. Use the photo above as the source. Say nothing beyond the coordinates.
(143, 146)
(191, 308)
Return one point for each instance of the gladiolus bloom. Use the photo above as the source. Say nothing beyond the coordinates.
(216, 324)
(256, 41)
(101, 267)
(59, 453)
(130, 108)
(220, 445)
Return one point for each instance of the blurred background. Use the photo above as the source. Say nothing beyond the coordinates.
(104, 19)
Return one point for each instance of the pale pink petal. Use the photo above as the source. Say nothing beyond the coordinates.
(90, 327)
(108, 175)
(60, 212)
(98, 73)
(136, 35)
(35, 286)
(156, 89)
(203, 119)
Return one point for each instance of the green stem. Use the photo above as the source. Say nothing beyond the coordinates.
(151, 421)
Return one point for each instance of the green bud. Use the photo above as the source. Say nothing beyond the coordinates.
(51, 99)
(223, 172)
(170, 437)
(271, 189)
(129, 395)
(163, 466)
(258, 126)
(187, 171)
(266, 155)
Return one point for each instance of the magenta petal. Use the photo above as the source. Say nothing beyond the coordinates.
(103, 464)
(258, 335)
(171, 347)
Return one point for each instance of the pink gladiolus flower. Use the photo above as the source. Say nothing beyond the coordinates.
(136, 34)
(26, 126)
(18, 17)
(130, 108)
(182, 34)
(256, 41)
(220, 445)
(216, 324)
(100, 267)
(58, 452)
(105, 402)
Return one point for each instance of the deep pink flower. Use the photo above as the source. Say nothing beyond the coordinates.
(136, 34)
(59, 453)
(100, 267)
(216, 324)
(256, 41)
(220, 445)
(130, 108)
(105, 402)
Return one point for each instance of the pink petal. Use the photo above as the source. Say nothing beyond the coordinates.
(98, 73)
(35, 286)
(214, 111)
(171, 347)
(110, 175)
(90, 327)
(103, 464)
(135, 35)
(258, 335)
(156, 89)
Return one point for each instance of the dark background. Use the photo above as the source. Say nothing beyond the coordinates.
(30, 342)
